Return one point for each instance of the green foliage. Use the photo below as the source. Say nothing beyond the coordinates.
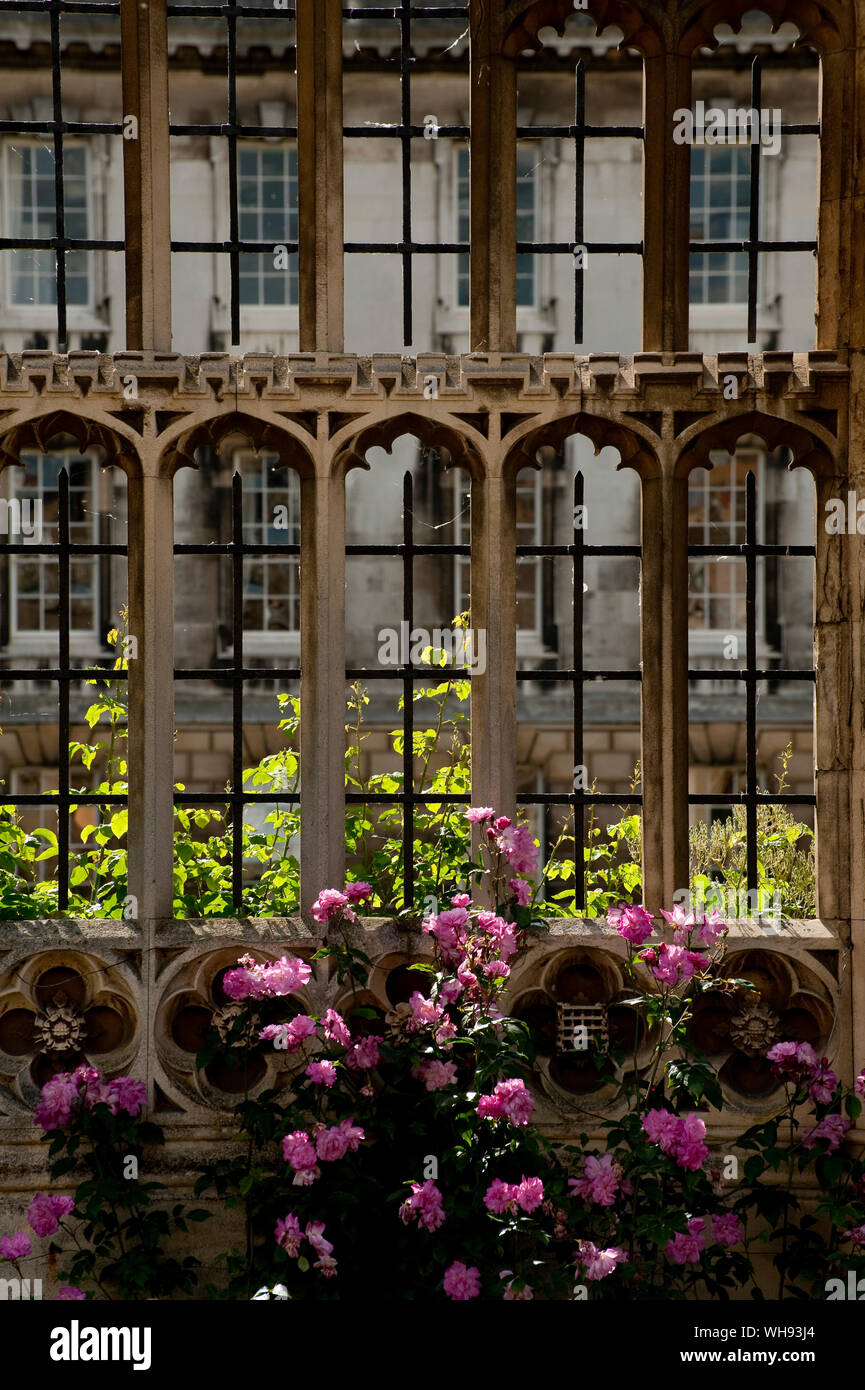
(785, 856)
(441, 847)
(120, 1233)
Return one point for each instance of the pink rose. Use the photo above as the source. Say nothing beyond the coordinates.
(335, 1028)
(461, 1283)
(500, 1196)
(124, 1093)
(289, 1235)
(601, 1183)
(518, 846)
(823, 1083)
(521, 890)
(14, 1247)
(268, 980)
(353, 1134)
(633, 923)
(510, 1100)
(727, 1229)
(323, 1248)
(691, 1152)
(798, 1061)
(710, 929)
(662, 1128)
(436, 1075)
(356, 892)
(290, 1037)
(329, 903)
(54, 1109)
(322, 1073)
(832, 1129)
(331, 1144)
(424, 1012)
(45, 1210)
(686, 1247)
(599, 1263)
(298, 1151)
(681, 921)
(363, 1054)
(530, 1194)
(425, 1204)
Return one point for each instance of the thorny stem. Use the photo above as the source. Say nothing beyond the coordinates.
(93, 1275)
(787, 1193)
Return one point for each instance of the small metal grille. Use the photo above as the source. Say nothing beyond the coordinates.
(582, 1028)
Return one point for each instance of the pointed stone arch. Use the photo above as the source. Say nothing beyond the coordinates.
(641, 24)
(460, 441)
(38, 432)
(812, 447)
(633, 443)
(258, 432)
(822, 24)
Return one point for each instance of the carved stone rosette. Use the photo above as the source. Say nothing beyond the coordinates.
(791, 999)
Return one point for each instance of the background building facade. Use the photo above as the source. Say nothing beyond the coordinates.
(380, 179)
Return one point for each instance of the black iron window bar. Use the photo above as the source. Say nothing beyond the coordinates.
(64, 674)
(752, 797)
(237, 673)
(754, 246)
(580, 132)
(232, 130)
(579, 799)
(405, 132)
(58, 129)
(409, 675)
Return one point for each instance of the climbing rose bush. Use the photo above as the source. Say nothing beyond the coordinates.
(659, 1215)
(405, 1157)
(116, 1238)
(81, 1091)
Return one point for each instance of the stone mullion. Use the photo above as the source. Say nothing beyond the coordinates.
(151, 691)
(493, 183)
(851, 211)
(320, 175)
(322, 682)
(664, 654)
(835, 257)
(847, 638)
(493, 612)
(666, 204)
(835, 657)
(840, 573)
(850, 257)
(146, 174)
